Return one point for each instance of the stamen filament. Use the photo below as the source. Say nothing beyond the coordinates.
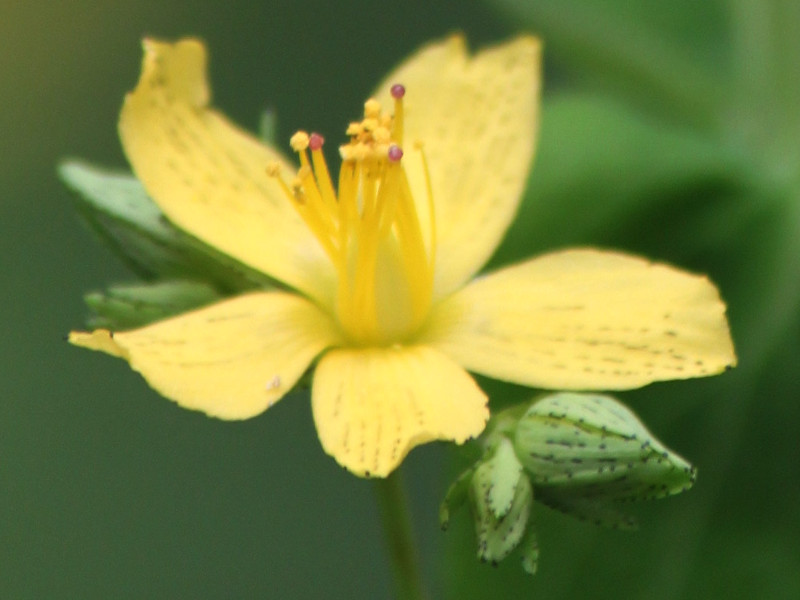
(310, 218)
(324, 180)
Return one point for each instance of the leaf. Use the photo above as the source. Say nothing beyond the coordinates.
(606, 175)
(669, 58)
(117, 207)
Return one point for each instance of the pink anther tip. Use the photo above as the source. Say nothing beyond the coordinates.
(395, 153)
(315, 141)
(398, 91)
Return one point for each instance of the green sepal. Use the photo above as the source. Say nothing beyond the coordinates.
(126, 306)
(594, 447)
(499, 535)
(118, 209)
(596, 512)
(456, 495)
(506, 471)
(529, 550)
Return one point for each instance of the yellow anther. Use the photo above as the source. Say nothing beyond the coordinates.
(369, 124)
(382, 135)
(372, 109)
(356, 152)
(354, 128)
(299, 141)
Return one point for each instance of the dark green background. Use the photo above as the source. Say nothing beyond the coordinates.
(669, 129)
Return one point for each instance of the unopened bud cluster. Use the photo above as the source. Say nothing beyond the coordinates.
(581, 454)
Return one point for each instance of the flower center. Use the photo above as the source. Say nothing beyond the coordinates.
(370, 228)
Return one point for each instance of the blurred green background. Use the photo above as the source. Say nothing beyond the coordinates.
(668, 129)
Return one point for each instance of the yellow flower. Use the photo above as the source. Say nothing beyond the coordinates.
(382, 263)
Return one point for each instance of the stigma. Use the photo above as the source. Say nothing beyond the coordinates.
(369, 225)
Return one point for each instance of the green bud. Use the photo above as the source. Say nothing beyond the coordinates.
(501, 498)
(119, 210)
(125, 306)
(590, 446)
(582, 454)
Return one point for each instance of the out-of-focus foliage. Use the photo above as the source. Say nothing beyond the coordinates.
(673, 129)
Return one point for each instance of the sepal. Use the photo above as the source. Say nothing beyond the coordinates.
(117, 207)
(501, 498)
(131, 305)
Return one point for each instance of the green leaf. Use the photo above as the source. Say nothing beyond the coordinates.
(117, 207)
(763, 115)
(609, 176)
(668, 57)
(126, 306)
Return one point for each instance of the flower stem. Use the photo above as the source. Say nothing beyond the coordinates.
(396, 520)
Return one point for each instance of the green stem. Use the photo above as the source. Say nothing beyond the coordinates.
(396, 520)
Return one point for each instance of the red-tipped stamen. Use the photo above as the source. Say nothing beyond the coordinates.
(395, 153)
(315, 141)
(398, 91)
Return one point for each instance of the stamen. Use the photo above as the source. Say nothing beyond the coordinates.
(372, 109)
(395, 153)
(369, 227)
(315, 141)
(299, 141)
(323, 177)
(398, 91)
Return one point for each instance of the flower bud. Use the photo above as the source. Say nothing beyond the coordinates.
(595, 443)
(581, 454)
(584, 450)
(500, 497)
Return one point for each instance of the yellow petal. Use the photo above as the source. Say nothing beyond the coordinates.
(586, 320)
(372, 405)
(477, 118)
(210, 177)
(231, 360)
